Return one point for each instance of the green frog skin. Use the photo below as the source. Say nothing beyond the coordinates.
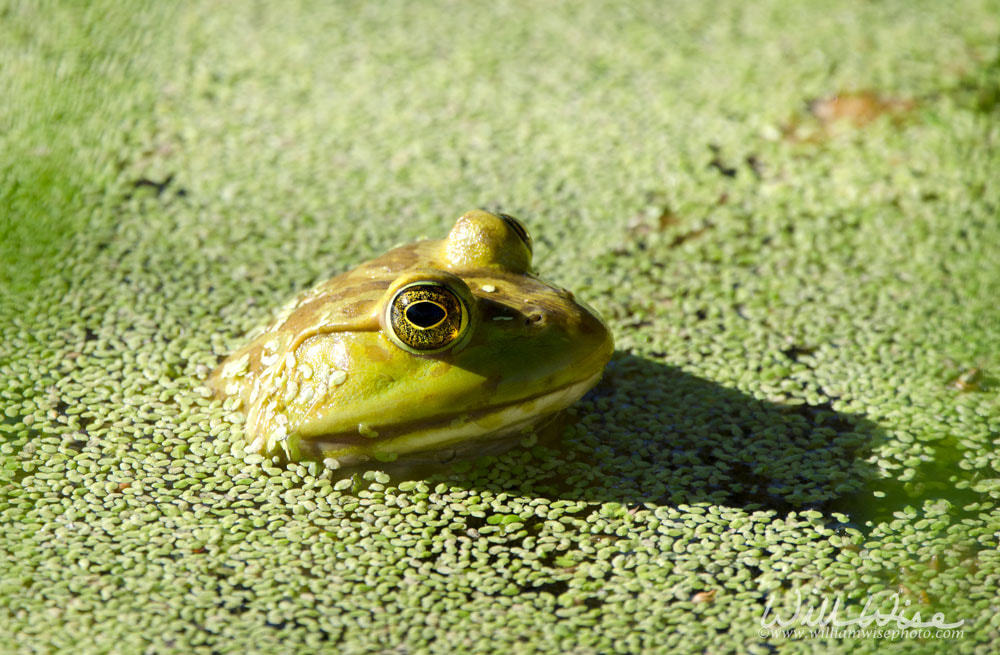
(433, 349)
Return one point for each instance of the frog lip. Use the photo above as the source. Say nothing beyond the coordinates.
(439, 432)
(480, 423)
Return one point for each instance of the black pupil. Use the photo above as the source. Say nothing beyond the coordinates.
(425, 314)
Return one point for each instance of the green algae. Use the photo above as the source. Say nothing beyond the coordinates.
(792, 315)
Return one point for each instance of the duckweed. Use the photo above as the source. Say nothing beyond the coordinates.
(804, 400)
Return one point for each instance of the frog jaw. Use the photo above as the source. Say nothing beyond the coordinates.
(468, 429)
(482, 397)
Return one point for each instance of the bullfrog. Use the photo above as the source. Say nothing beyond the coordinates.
(434, 350)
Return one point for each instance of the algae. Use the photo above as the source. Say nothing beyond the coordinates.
(804, 401)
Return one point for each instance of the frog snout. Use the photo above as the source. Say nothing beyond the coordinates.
(536, 319)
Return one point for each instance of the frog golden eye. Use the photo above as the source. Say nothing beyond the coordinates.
(426, 317)
(519, 229)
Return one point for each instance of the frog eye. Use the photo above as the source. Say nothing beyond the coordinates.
(426, 317)
(519, 229)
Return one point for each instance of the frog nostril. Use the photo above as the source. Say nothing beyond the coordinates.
(532, 318)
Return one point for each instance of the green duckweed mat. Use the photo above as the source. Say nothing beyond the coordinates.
(788, 213)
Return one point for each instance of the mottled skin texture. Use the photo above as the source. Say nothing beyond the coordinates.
(326, 381)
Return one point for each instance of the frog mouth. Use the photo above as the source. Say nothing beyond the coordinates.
(446, 433)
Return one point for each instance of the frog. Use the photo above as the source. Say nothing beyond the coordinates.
(434, 351)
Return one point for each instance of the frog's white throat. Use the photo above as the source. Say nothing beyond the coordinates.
(462, 436)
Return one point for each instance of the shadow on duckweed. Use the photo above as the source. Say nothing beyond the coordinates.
(651, 433)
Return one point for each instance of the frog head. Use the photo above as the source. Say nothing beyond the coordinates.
(434, 348)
